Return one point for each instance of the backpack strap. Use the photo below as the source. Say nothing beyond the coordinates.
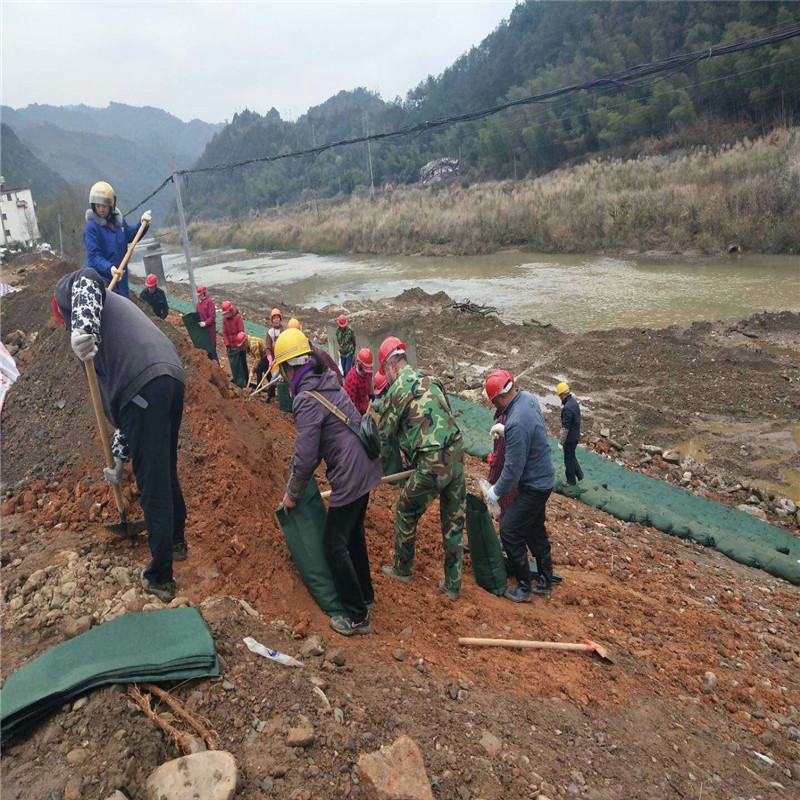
(337, 412)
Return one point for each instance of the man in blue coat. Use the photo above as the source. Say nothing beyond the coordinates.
(107, 235)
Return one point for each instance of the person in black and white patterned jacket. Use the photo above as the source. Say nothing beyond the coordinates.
(142, 384)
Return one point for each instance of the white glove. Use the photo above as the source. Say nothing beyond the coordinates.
(146, 217)
(202, 324)
(498, 430)
(491, 496)
(116, 272)
(84, 345)
(114, 476)
(560, 446)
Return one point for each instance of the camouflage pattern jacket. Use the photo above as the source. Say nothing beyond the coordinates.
(414, 411)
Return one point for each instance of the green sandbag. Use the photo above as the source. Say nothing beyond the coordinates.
(200, 337)
(484, 547)
(304, 530)
(284, 397)
(238, 360)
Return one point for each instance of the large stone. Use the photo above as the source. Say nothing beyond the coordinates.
(74, 626)
(302, 736)
(753, 511)
(396, 772)
(313, 646)
(208, 776)
(671, 456)
(491, 744)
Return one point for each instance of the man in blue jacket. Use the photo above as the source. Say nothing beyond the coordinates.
(107, 235)
(529, 469)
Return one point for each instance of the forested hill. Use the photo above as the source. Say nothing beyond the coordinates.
(20, 167)
(543, 45)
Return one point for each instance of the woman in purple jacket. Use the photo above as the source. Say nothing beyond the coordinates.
(350, 472)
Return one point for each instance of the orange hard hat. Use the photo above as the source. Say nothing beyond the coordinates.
(365, 358)
(276, 312)
(226, 306)
(499, 382)
(294, 323)
(380, 381)
(389, 346)
(151, 281)
(342, 321)
(241, 338)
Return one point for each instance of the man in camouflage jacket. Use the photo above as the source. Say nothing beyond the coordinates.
(414, 411)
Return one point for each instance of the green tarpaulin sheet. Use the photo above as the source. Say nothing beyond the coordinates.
(173, 644)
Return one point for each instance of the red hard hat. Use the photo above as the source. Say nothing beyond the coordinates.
(380, 381)
(342, 321)
(365, 358)
(389, 345)
(202, 289)
(498, 383)
(151, 280)
(241, 338)
(226, 306)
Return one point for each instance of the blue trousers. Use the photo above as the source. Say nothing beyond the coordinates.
(347, 364)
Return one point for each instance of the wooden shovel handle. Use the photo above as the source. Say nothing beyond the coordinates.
(385, 479)
(525, 643)
(97, 403)
(127, 258)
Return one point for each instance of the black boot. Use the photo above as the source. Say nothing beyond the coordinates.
(544, 584)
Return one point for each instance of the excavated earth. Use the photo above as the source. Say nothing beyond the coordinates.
(702, 701)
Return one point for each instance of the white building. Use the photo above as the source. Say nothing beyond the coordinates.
(19, 215)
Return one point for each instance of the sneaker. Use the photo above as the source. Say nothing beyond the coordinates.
(452, 594)
(180, 552)
(519, 594)
(344, 625)
(393, 573)
(163, 591)
(542, 588)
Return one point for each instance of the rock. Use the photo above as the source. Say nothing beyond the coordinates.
(711, 679)
(491, 744)
(753, 511)
(787, 505)
(179, 602)
(228, 686)
(76, 756)
(338, 715)
(396, 772)
(72, 791)
(196, 744)
(337, 657)
(671, 456)
(302, 736)
(129, 596)
(74, 626)
(117, 796)
(795, 770)
(652, 449)
(210, 775)
(767, 738)
(79, 704)
(121, 576)
(605, 432)
(794, 734)
(400, 654)
(313, 646)
(34, 582)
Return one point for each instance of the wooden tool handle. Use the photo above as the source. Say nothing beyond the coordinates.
(385, 479)
(97, 403)
(127, 258)
(525, 643)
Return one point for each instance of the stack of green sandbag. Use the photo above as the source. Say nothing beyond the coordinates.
(169, 645)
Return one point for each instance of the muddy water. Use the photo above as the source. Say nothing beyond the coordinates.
(573, 292)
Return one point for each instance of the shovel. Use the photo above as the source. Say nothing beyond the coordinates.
(261, 386)
(122, 527)
(588, 646)
(124, 263)
(398, 476)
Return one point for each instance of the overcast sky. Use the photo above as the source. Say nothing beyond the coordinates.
(211, 59)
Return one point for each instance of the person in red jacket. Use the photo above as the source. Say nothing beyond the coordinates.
(358, 382)
(208, 317)
(232, 326)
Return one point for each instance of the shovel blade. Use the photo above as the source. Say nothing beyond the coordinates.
(127, 530)
(600, 651)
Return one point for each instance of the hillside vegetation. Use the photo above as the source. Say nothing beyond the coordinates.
(543, 45)
(697, 200)
(20, 167)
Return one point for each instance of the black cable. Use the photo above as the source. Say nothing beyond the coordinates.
(632, 76)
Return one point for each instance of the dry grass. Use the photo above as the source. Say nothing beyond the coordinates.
(747, 193)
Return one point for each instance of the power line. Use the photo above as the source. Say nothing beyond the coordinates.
(633, 76)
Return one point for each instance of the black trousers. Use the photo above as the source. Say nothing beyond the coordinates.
(346, 553)
(523, 529)
(571, 465)
(152, 436)
(261, 368)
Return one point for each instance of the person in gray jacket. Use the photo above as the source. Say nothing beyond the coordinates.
(142, 383)
(529, 468)
(350, 472)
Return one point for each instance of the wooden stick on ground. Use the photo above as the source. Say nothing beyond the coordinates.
(210, 737)
(144, 704)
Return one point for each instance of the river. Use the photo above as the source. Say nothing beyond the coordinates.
(574, 292)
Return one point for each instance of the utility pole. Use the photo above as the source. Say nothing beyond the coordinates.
(369, 155)
(184, 235)
(60, 238)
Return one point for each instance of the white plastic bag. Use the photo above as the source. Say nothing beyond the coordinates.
(256, 647)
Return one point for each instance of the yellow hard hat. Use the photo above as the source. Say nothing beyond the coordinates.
(561, 388)
(103, 194)
(294, 323)
(289, 345)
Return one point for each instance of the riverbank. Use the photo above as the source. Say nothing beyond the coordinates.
(696, 202)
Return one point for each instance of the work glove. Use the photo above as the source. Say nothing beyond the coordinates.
(562, 437)
(84, 345)
(498, 430)
(146, 217)
(560, 446)
(114, 476)
(202, 324)
(491, 496)
(117, 273)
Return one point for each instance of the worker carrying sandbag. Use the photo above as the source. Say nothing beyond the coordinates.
(415, 411)
(529, 468)
(346, 342)
(154, 297)
(262, 358)
(570, 432)
(358, 383)
(107, 235)
(350, 472)
(208, 317)
(232, 326)
(142, 386)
